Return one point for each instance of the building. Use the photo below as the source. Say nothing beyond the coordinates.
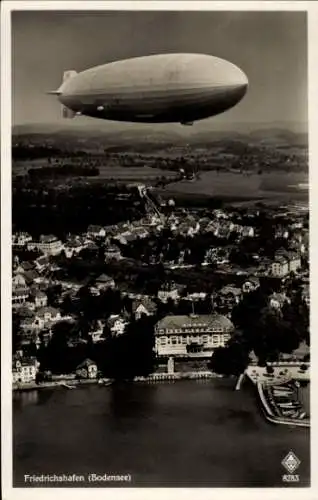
(116, 324)
(42, 263)
(193, 336)
(112, 253)
(20, 290)
(72, 248)
(97, 332)
(24, 370)
(250, 285)
(18, 281)
(143, 307)
(24, 267)
(104, 282)
(196, 296)
(204, 224)
(39, 298)
(49, 314)
(211, 255)
(169, 291)
(48, 244)
(94, 231)
(140, 232)
(278, 300)
(294, 261)
(125, 237)
(305, 293)
(229, 296)
(188, 228)
(19, 297)
(43, 317)
(213, 227)
(281, 232)
(280, 267)
(87, 369)
(248, 232)
(21, 239)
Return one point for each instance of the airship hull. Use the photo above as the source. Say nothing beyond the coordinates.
(163, 88)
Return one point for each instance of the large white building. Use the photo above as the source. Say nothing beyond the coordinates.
(48, 244)
(285, 263)
(169, 291)
(280, 267)
(20, 290)
(24, 370)
(194, 336)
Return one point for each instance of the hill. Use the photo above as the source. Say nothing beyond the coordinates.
(140, 138)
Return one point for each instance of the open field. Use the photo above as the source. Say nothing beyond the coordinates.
(131, 173)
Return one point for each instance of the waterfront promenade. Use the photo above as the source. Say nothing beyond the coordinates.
(154, 377)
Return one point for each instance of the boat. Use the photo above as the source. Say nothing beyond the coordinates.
(68, 386)
(287, 388)
(105, 382)
(283, 391)
(289, 405)
(283, 400)
(290, 414)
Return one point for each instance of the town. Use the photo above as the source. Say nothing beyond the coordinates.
(159, 288)
(160, 294)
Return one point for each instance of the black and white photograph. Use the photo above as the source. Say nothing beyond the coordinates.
(158, 277)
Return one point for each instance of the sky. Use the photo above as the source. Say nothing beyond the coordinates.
(270, 47)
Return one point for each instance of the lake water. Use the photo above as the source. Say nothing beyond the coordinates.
(276, 185)
(170, 434)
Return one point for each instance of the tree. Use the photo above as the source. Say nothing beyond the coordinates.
(16, 332)
(274, 335)
(56, 357)
(247, 313)
(130, 354)
(230, 360)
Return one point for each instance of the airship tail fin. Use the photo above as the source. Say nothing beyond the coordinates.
(66, 76)
(66, 112)
(69, 74)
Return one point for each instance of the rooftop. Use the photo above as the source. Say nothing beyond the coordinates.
(47, 238)
(230, 289)
(94, 228)
(48, 309)
(86, 363)
(146, 302)
(103, 278)
(197, 321)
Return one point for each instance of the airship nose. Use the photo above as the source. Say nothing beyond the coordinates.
(241, 82)
(236, 78)
(236, 82)
(223, 79)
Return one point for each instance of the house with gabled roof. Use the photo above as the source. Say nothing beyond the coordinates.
(95, 231)
(144, 306)
(87, 369)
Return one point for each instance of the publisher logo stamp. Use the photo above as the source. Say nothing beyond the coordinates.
(291, 463)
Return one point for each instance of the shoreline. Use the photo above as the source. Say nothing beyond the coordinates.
(70, 383)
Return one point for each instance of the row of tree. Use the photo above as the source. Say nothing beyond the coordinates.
(263, 330)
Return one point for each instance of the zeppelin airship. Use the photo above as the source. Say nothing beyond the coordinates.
(181, 88)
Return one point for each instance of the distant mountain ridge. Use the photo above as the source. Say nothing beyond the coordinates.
(90, 126)
(92, 135)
